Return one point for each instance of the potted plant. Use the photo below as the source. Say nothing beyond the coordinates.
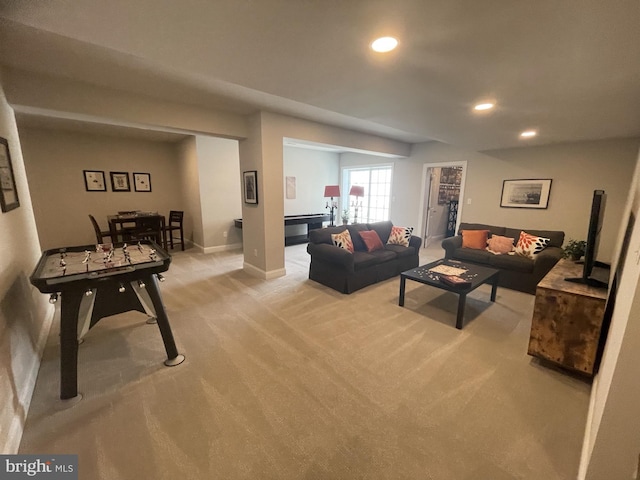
(574, 249)
(345, 216)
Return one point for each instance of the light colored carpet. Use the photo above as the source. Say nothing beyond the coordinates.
(287, 379)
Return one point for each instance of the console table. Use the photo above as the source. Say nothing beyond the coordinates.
(311, 220)
(567, 320)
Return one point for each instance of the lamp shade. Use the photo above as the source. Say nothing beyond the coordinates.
(357, 191)
(332, 191)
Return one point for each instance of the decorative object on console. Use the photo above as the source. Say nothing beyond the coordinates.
(527, 193)
(474, 239)
(343, 240)
(400, 236)
(574, 249)
(94, 181)
(332, 191)
(356, 191)
(345, 216)
(120, 182)
(9, 198)
(250, 186)
(528, 245)
(142, 182)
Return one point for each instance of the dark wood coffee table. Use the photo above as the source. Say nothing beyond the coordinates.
(475, 274)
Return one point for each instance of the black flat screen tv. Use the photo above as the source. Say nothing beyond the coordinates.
(593, 240)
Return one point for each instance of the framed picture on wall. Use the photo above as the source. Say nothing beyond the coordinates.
(94, 181)
(250, 186)
(120, 181)
(9, 198)
(527, 193)
(142, 182)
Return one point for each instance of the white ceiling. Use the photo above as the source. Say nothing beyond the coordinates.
(569, 68)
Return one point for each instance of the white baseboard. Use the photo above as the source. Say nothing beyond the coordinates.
(25, 393)
(263, 274)
(219, 248)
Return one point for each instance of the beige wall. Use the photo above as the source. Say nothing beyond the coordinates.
(313, 170)
(612, 438)
(25, 315)
(189, 171)
(220, 194)
(55, 161)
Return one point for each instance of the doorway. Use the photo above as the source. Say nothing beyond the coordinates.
(441, 206)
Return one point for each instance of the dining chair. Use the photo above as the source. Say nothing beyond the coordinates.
(100, 234)
(175, 224)
(150, 228)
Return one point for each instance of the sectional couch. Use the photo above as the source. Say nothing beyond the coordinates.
(516, 272)
(347, 272)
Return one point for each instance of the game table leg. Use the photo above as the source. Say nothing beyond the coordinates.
(69, 309)
(173, 357)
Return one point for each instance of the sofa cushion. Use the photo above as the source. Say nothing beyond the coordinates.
(400, 236)
(323, 235)
(499, 245)
(354, 230)
(343, 240)
(383, 229)
(362, 260)
(493, 230)
(384, 255)
(512, 262)
(371, 240)
(528, 245)
(475, 239)
(473, 255)
(401, 251)
(556, 237)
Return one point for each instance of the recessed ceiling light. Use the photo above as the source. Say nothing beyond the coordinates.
(484, 106)
(528, 134)
(384, 44)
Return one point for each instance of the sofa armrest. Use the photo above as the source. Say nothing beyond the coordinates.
(324, 252)
(415, 242)
(545, 260)
(451, 244)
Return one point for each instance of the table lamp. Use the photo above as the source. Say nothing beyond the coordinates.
(332, 191)
(356, 191)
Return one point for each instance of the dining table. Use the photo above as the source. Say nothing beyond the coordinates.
(123, 225)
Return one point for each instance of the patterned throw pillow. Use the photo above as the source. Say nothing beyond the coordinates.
(372, 240)
(400, 236)
(343, 240)
(499, 245)
(528, 245)
(475, 239)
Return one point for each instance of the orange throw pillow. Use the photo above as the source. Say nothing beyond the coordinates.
(475, 239)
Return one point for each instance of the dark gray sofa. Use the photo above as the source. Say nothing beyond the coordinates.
(347, 272)
(516, 272)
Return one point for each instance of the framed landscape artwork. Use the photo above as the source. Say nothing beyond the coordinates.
(9, 198)
(142, 182)
(120, 182)
(94, 181)
(250, 186)
(526, 193)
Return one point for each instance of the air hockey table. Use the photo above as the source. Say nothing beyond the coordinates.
(97, 281)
